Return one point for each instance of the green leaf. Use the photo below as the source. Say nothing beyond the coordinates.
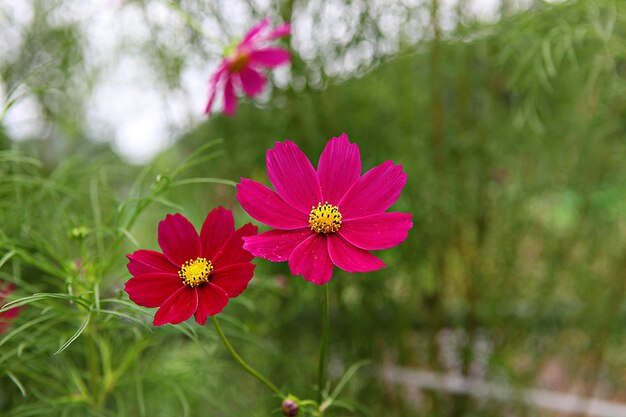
(42, 296)
(75, 336)
(17, 382)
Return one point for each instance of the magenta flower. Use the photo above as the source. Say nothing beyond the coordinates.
(334, 216)
(8, 316)
(195, 275)
(240, 68)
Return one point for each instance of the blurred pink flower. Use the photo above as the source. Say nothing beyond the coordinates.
(195, 275)
(8, 316)
(332, 216)
(240, 68)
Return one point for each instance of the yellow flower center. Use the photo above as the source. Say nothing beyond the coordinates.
(195, 272)
(325, 218)
(238, 61)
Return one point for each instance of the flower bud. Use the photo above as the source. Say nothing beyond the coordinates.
(78, 233)
(290, 408)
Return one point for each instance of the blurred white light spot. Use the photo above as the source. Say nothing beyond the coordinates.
(23, 120)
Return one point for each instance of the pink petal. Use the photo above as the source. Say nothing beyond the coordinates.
(146, 261)
(252, 81)
(211, 300)
(10, 314)
(230, 99)
(217, 228)
(350, 258)
(276, 245)
(311, 260)
(267, 207)
(279, 32)
(178, 239)
(178, 307)
(233, 252)
(379, 231)
(269, 57)
(374, 192)
(213, 86)
(233, 278)
(255, 31)
(293, 176)
(339, 167)
(151, 290)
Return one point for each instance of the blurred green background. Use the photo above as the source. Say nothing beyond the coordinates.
(511, 127)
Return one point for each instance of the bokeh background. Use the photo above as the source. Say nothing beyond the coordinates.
(508, 297)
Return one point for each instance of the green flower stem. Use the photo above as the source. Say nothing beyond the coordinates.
(243, 363)
(321, 373)
(189, 20)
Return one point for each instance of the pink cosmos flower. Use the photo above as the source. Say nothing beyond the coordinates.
(194, 274)
(240, 69)
(332, 216)
(8, 316)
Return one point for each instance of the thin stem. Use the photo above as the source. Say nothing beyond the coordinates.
(192, 22)
(189, 20)
(321, 374)
(94, 366)
(243, 363)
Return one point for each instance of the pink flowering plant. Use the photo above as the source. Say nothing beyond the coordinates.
(196, 274)
(332, 216)
(241, 69)
(319, 218)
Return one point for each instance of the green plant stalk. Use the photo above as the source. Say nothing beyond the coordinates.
(189, 19)
(321, 371)
(243, 363)
(94, 366)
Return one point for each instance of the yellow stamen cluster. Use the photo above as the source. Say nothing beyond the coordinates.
(195, 272)
(325, 218)
(238, 62)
